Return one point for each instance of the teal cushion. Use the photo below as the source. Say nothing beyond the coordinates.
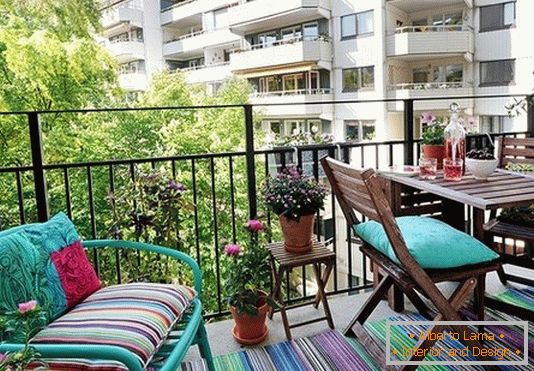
(53, 235)
(26, 273)
(432, 243)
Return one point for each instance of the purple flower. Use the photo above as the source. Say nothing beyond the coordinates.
(427, 118)
(232, 249)
(175, 186)
(254, 225)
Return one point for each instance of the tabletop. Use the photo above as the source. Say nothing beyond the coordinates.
(319, 253)
(502, 189)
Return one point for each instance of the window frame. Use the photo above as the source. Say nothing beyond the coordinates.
(356, 33)
(359, 125)
(497, 83)
(502, 25)
(359, 79)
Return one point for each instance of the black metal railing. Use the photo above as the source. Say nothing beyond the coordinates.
(226, 179)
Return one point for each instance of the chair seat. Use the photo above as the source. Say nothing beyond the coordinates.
(432, 243)
(137, 317)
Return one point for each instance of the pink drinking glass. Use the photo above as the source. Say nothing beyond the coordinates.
(428, 168)
(453, 169)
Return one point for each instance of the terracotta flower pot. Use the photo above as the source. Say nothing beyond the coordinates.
(297, 233)
(250, 330)
(434, 151)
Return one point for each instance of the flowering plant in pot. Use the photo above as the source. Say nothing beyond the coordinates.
(248, 276)
(433, 137)
(295, 198)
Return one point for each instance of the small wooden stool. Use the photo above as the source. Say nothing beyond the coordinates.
(286, 261)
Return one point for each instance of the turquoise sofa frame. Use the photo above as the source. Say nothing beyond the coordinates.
(189, 331)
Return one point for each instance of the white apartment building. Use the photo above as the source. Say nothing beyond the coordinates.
(298, 51)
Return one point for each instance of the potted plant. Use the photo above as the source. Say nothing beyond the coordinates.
(295, 198)
(248, 275)
(433, 138)
(481, 163)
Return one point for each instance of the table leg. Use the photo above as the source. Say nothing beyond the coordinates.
(479, 218)
(325, 277)
(453, 214)
(320, 291)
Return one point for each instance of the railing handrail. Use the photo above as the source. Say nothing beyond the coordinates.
(428, 85)
(288, 41)
(311, 103)
(283, 93)
(204, 66)
(134, 39)
(187, 36)
(430, 28)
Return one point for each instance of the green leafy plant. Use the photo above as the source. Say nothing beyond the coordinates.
(20, 326)
(249, 271)
(433, 133)
(293, 194)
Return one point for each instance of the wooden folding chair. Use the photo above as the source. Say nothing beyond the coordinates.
(361, 191)
(513, 151)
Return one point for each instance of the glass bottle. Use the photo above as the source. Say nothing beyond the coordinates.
(455, 137)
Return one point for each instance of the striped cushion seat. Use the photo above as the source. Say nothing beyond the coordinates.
(79, 365)
(137, 317)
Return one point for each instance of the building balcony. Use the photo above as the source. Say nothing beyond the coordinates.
(306, 103)
(133, 81)
(189, 8)
(123, 13)
(198, 41)
(425, 90)
(207, 73)
(126, 51)
(262, 15)
(297, 51)
(413, 6)
(414, 42)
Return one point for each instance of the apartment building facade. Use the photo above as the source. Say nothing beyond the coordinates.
(298, 51)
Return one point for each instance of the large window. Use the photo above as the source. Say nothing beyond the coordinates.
(497, 17)
(355, 79)
(359, 130)
(494, 73)
(353, 25)
(495, 124)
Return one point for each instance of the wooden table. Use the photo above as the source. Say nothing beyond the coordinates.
(501, 190)
(286, 261)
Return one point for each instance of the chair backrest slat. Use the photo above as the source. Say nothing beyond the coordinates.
(515, 150)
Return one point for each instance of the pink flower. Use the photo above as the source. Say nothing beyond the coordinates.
(2, 357)
(427, 118)
(28, 306)
(254, 225)
(232, 249)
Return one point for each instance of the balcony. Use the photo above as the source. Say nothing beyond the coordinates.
(426, 90)
(133, 81)
(262, 15)
(197, 41)
(298, 100)
(189, 8)
(414, 42)
(126, 51)
(317, 51)
(207, 73)
(414, 6)
(122, 13)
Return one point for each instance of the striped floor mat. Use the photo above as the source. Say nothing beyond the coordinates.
(520, 297)
(332, 351)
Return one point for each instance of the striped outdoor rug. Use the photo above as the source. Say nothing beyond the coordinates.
(332, 351)
(520, 297)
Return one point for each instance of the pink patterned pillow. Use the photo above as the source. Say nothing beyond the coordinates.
(76, 274)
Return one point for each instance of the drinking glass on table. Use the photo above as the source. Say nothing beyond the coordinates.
(453, 169)
(428, 168)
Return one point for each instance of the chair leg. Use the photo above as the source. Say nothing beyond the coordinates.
(369, 305)
(419, 304)
(479, 300)
(204, 346)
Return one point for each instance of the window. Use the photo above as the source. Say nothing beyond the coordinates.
(497, 17)
(359, 130)
(311, 31)
(495, 124)
(452, 21)
(353, 25)
(132, 67)
(291, 33)
(358, 78)
(497, 72)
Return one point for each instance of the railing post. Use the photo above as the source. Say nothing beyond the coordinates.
(39, 179)
(251, 161)
(530, 115)
(408, 132)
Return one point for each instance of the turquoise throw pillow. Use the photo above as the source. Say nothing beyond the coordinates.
(432, 243)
